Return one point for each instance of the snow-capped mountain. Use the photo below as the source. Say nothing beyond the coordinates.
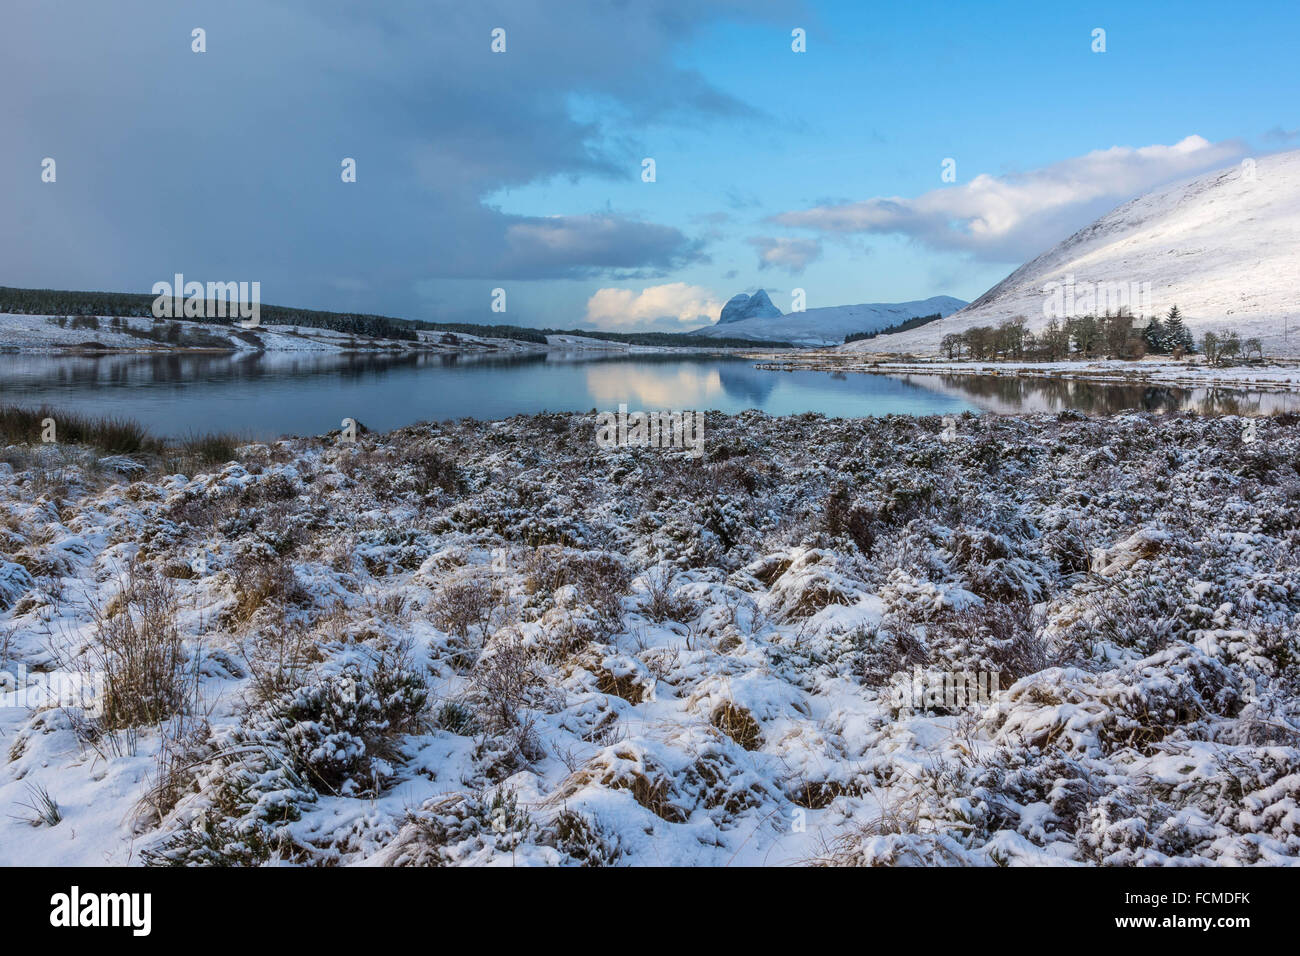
(741, 307)
(829, 326)
(1224, 247)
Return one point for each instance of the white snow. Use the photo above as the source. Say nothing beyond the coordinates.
(677, 662)
(1223, 247)
(38, 333)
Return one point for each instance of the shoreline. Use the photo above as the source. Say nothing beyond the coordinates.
(22, 334)
(1285, 376)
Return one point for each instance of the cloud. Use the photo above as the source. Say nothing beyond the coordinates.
(664, 306)
(717, 218)
(1279, 135)
(209, 175)
(579, 245)
(793, 255)
(1014, 217)
(740, 199)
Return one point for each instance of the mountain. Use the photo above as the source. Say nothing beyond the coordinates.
(1224, 247)
(741, 307)
(828, 326)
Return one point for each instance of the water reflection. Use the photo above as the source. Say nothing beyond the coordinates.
(270, 394)
(685, 386)
(1007, 395)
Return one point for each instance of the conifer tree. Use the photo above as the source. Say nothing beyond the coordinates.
(1154, 335)
(1177, 334)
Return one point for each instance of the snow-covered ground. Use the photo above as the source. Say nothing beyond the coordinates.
(583, 343)
(36, 333)
(1280, 376)
(498, 644)
(1223, 247)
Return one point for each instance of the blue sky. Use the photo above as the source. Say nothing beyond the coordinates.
(522, 170)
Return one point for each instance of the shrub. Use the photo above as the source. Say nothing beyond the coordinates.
(261, 576)
(139, 653)
(341, 731)
(738, 724)
(601, 580)
(203, 451)
(461, 606)
(842, 517)
(663, 602)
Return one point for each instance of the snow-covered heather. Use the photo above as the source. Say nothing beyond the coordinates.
(497, 644)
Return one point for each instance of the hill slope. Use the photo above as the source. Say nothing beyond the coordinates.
(1223, 246)
(829, 325)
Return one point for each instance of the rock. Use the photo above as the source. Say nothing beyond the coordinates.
(741, 307)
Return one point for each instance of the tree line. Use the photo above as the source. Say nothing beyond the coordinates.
(915, 322)
(133, 305)
(79, 307)
(1112, 335)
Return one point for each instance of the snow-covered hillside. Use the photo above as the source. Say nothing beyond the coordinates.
(829, 326)
(1224, 247)
(42, 333)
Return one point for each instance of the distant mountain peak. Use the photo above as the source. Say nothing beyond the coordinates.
(740, 307)
(828, 325)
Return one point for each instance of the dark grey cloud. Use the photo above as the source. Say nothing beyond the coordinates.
(226, 164)
(541, 247)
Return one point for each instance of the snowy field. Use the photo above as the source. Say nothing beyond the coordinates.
(1283, 376)
(498, 644)
(37, 333)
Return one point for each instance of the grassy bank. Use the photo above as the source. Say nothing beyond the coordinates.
(107, 435)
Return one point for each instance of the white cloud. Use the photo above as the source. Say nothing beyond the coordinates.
(1015, 217)
(674, 304)
(793, 255)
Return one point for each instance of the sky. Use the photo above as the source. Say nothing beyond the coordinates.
(908, 150)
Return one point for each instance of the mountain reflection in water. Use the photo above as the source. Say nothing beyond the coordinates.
(272, 394)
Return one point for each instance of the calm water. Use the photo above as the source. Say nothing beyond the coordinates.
(266, 396)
